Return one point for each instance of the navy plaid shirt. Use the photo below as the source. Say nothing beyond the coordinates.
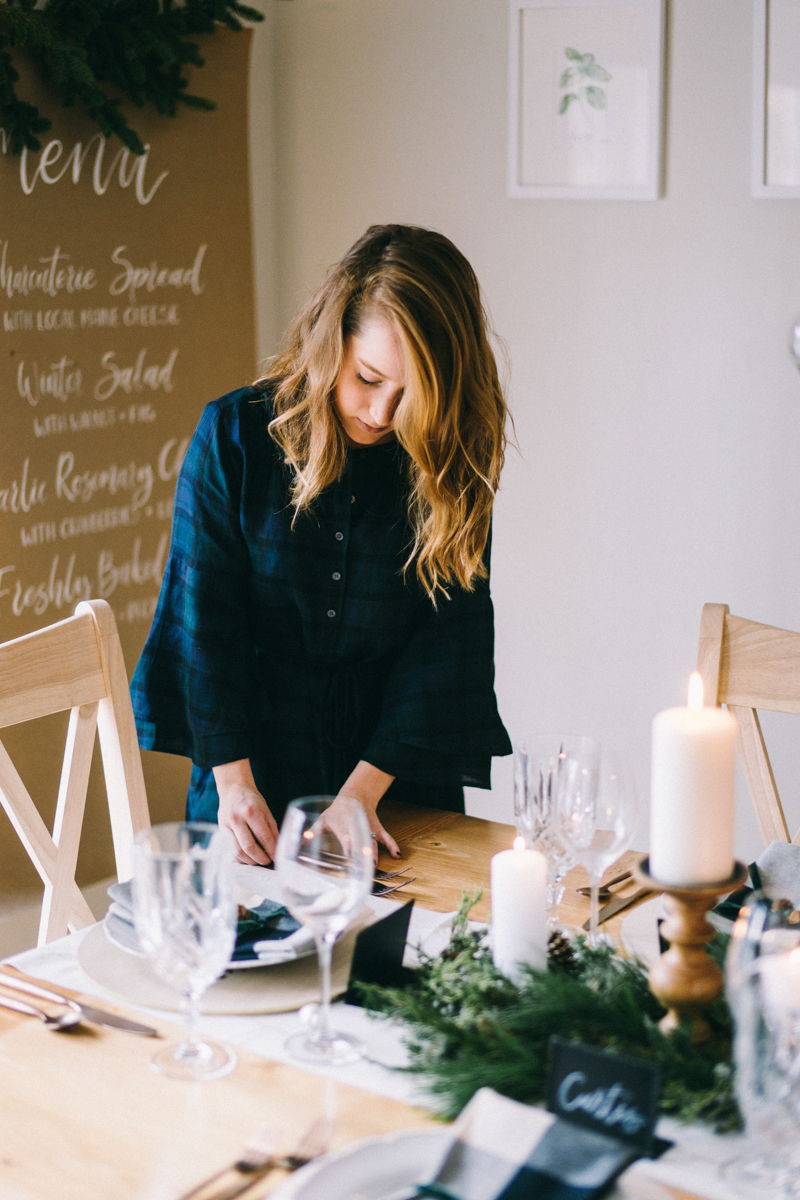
(305, 649)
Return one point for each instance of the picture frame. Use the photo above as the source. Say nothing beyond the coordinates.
(586, 99)
(776, 100)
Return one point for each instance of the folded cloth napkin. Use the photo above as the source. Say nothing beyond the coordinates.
(267, 932)
(503, 1150)
(776, 872)
(779, 872)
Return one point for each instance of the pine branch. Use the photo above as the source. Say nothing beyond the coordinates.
(80, 48)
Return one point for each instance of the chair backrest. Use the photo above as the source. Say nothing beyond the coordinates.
(750, 666)
(76, 664)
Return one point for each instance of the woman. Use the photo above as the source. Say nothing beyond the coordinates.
(325, 624)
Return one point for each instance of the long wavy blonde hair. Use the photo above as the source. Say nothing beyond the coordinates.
(452, 415)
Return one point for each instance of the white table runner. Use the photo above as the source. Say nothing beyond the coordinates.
(693, 1164)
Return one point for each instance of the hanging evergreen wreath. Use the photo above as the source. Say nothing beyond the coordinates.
(468, 1026)
(81, 48)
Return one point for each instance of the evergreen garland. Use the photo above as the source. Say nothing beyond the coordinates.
(471, 1027)
(80, 48)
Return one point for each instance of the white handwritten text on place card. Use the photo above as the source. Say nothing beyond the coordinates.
(606, 1104)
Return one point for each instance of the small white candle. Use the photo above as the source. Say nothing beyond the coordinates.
(519, 910)
(692, 790)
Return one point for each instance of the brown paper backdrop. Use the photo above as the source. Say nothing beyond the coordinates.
(127, 304)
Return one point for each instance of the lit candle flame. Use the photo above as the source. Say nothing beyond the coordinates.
(519, 843)
(696, 690)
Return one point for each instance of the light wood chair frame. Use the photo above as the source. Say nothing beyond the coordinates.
(76, 664)
(749, 666)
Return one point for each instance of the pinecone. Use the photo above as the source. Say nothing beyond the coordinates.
(560, 952)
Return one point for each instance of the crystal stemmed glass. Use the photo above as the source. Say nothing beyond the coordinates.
(597, 811)
(763, 987)
(539, 773)
(184, 905)
(325, 867)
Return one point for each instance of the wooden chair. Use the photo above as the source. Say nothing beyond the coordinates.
(76, 664)
(750, 666)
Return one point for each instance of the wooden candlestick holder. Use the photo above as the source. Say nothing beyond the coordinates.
(685, 979)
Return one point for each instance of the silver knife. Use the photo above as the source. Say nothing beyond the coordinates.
(619, 905)
(98, 1016)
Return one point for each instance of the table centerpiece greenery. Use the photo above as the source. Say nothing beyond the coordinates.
(468, 1026)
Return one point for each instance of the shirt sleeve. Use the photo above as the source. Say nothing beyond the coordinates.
(439, 722)
(194, 686)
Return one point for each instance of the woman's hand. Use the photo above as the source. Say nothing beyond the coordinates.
(244, 811)
(367, 785)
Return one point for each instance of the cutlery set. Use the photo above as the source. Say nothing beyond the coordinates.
(75, 1011)
(382, 885)
(258, 1159)
(616, 904)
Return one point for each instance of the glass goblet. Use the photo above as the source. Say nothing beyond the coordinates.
(325, 867)
(184, 905)
(763, 988)
(540, 772)
(597, 814)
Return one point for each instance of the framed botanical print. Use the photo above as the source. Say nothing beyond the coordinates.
(776, 99)
(586, 82)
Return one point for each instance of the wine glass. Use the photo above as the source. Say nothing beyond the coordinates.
(325, 867)
(597, 810)
(184, 908)
(539, 775)
(763, 988)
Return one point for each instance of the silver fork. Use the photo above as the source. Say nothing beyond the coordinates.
(396, 888)
(258, 1159)
(334, 859)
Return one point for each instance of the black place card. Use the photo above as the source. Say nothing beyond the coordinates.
(608, 1093)
(378, 954)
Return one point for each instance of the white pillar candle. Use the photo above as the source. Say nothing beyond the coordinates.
(519, 910)
(692, 789)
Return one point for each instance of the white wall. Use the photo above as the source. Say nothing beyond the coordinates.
(656, 407)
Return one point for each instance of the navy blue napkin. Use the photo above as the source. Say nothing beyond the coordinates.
(267, 923)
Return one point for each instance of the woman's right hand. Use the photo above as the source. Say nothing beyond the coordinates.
(244, 811)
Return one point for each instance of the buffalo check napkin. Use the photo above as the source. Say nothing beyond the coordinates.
(503, 1150)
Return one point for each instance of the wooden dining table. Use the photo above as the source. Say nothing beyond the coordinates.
(82, 1117)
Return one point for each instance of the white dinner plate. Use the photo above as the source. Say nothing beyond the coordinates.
(123, 935)
(378, 1168)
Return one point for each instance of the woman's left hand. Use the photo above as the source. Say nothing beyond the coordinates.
(367, 785)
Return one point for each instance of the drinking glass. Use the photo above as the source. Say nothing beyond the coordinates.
(539, 774)
(184, 906)
(763, 987)
(597, 810)
(325, 867)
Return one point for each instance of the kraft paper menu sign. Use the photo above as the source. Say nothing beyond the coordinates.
(126, 304)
